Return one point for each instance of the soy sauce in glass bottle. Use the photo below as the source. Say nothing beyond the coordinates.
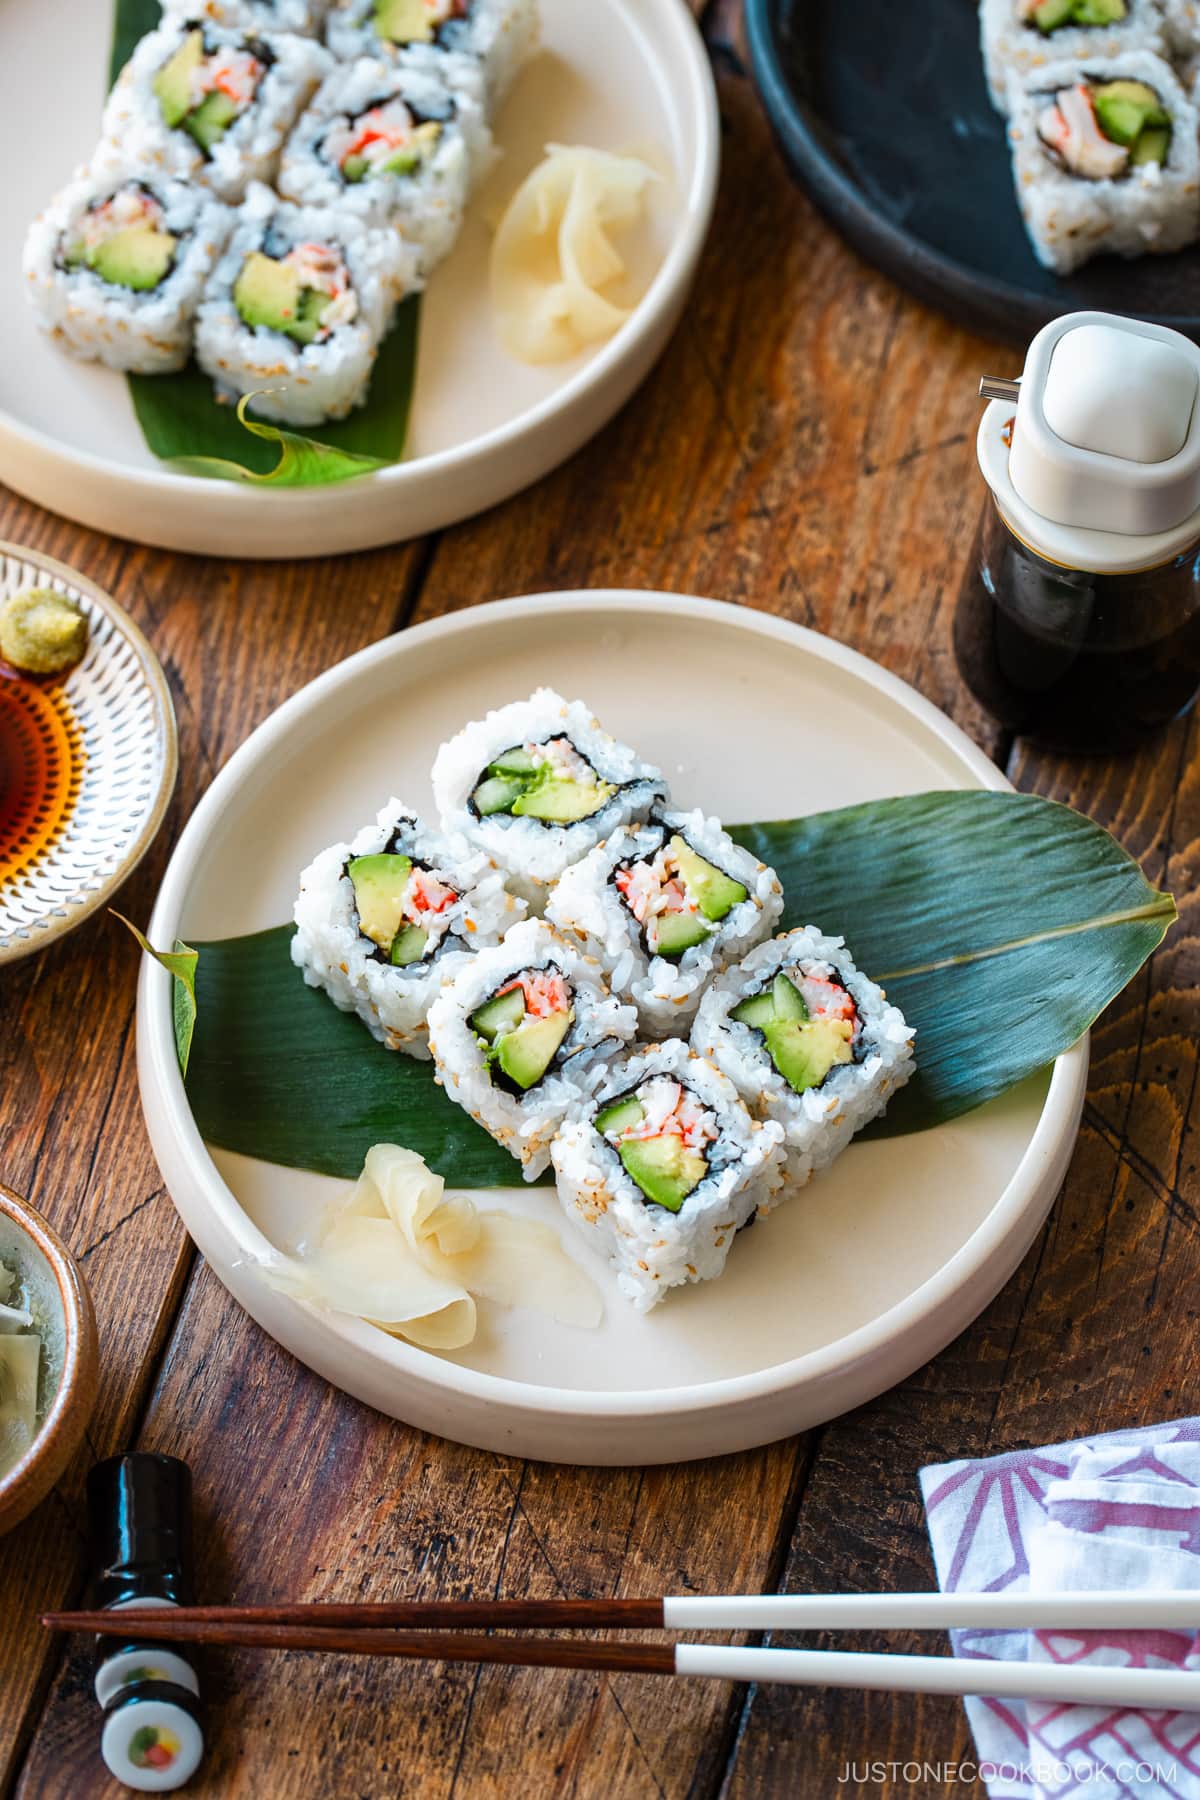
(1078, 623)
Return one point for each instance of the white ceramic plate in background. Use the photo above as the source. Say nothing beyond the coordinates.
(627, 75)
(104, 737)
(856, 1280)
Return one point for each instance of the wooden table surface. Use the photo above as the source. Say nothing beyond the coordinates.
(805, 446)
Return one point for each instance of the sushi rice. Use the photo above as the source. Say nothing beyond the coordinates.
(629, 888)
(676, 1098)
(455, 893)
(370, 115)
(558, 739)
(546, 978)
(482, 43)
(145, 329)
(271, 77)
(1073, 209)
(1014, 45)
(366, 270)
(821, 1120)
(303, 17)
(1182, 21)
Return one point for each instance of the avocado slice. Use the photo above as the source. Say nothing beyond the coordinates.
(379, 883)
(403, 22)
(503, 1013)
(526, 1053)
(714, 892)
(677, 932)
(173, 83)
(1053, 13)
(1152, 145)
(408, 946)
(1100, 12)
(267, 292)
(135, 257)
(804, 1051)
(1133, 93)
(560, 801)
(620, 1116)
(664, 1168)
(211, 119)
(271, 294)
(758, 1010)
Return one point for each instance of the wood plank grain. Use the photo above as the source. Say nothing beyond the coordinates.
(1096, 1330)
(812, 458)
(235, 640)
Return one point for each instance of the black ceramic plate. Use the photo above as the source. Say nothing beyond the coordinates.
(882, 111)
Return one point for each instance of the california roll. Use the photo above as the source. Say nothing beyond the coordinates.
(663, 1168)
(523, 1035)
(209, 103)
(1021, 37)
(1106, 159)
(539, 783)
(116, 265)
(380, 922)
(394, 145)
(808, 1041)
(299, 305)
(663, 905)
(478, 42)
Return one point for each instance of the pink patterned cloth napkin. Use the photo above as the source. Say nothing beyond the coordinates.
(1121, 1511)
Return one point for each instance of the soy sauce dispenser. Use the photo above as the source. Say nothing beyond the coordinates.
(1078, 623)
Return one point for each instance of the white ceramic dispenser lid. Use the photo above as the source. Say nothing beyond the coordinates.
(1097, 466)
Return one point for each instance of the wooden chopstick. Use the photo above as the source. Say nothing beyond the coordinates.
(1118, 1609)
(1080, 1684)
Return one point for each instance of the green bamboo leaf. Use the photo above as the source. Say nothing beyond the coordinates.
(279, 1073)
(132, 20)
(180, 961)
(1002, 924)
(187, 427)
(303, 462)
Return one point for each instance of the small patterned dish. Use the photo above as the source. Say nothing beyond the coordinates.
(87, 765)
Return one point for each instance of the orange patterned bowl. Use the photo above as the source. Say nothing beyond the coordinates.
(56, 1293)
(87, 765)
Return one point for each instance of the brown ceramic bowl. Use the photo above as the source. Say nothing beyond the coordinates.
(72, 1355)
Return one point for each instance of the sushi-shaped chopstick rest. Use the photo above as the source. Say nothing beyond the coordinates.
(1108, 1513)
(140, 1514)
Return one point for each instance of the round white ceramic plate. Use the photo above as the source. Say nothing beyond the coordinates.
(95, 766)
(626, 75)
(857, 1279)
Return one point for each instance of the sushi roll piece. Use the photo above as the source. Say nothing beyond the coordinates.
(305, 18)
(394, 145)
(1181, 21)
(808, 1042)
(1022, 37)
(210, 103)
(663, 1167)
(1106, 159)
(471, 41)
(539, 783)
(299, 304)
(523, 1036)
(663, 905)
(116, 265)
(383, 921)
